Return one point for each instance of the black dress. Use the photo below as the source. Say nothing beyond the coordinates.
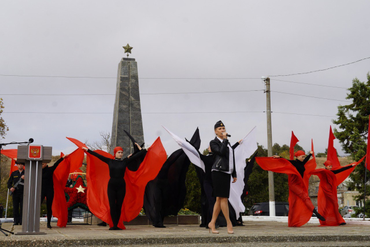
(221, 179)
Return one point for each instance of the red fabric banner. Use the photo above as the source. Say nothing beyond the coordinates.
(299, 213)
(60, 177)
(300, 207)
(12, 154)
(332, 152)
(97, 175)
(293, 142)
(327, 200)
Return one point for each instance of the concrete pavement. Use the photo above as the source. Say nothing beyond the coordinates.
(257, 231)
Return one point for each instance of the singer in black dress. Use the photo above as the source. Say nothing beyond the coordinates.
(222, 171)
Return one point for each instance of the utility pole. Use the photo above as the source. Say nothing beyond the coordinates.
(269, 146)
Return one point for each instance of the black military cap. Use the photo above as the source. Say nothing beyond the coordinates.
(219, 124)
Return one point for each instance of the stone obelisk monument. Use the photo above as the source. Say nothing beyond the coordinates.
(127, 109)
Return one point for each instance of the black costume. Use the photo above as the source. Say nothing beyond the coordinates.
(165, 195)
(47, 188)
(17, 195)
(117, 184)
(299, 165)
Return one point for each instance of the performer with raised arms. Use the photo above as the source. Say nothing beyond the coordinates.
(117, 184)
(298, 170)
(330, 178)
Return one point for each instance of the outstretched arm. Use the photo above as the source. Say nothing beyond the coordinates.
(101, 157)
(343, 169)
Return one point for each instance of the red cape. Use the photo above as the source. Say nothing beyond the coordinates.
(97, 175)
(12, 154)
(327, 200)
(60, 177)
(299, 214)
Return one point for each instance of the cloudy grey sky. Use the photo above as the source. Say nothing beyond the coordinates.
(199, 61)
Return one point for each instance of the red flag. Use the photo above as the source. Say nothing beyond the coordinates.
(368, 147)
(332, 152)
(12, 154)
(293, 141)
(60, 177)
(77, 142)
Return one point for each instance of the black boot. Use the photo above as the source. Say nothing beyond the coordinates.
(318, 215)
(49, 226)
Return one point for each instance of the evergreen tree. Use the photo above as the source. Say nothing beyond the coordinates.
(353, 120)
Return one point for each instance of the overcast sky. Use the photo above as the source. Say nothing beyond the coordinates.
(198, 61)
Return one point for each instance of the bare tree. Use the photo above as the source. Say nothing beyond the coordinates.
(103, 144)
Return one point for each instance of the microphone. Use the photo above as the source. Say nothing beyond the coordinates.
(228, 135)
(30, 140)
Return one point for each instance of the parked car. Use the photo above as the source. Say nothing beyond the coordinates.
(262, 208)
(348, 210)
(78, 213)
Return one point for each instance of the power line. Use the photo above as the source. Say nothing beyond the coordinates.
(307, 96)
(319, 70)
(170, 113)
(311, 84)
(60, 76)
(61, 113)
(159, 93)
(303, 114)
(54, 94)
(140, 78)
(96, 113)
(178, 93)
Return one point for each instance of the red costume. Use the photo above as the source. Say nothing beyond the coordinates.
(300, 205)
(97, 175)
(327, 200)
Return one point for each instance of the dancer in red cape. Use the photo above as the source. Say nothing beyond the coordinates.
(60, 177)
(327, 200)
(300, 205)
(330, 178)
(99, 174)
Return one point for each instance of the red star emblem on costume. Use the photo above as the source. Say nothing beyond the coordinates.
(76, 194)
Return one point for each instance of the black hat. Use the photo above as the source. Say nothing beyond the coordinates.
(219, 124)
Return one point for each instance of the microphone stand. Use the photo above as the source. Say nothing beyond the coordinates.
(1, 147)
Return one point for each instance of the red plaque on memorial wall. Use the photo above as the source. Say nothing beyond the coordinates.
(34, 152)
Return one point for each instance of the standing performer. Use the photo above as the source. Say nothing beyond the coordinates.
(16, 185)
(47, 188)
(300, 205)
(223, 167)
(117, 184)
(327, 196)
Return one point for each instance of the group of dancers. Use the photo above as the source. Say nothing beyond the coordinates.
(117, 184)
